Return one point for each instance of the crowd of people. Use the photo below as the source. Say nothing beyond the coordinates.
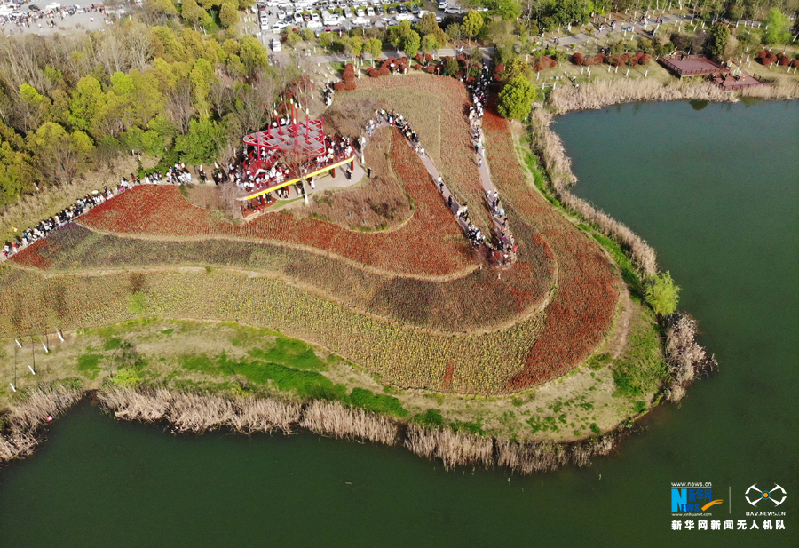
(177, 174)
(506, 246)
(23, 239)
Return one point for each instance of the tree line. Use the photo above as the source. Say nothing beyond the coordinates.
(70, 102)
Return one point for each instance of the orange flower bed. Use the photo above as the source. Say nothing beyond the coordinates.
(430, 243)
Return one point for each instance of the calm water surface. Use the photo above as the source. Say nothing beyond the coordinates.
(714, 190)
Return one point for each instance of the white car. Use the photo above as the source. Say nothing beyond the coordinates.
(370, 11)
(298, 17)
(281, 15)
(361, 22)
(442, 5)
(53, 6)
(315, 17)
(315, 25)
(330, 19)
(360, 13)
(278, 27)
(276, 47)
(347, 13)
(452, 9)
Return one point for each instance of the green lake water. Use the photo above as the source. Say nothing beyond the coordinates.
(716, 192)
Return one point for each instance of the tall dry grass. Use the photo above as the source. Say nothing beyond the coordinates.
(26, 416)
(332, 418)
(527, 458)
(783, 87)
(558, 167)
(604, 93)
(453, 448)
(686, 358)
(199, 413)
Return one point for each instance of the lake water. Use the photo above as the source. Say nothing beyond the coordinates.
(715, 190)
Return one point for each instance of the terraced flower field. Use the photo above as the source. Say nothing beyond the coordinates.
(429, 244)
(479, 300)
(409, 305)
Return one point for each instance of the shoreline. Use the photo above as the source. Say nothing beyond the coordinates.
(685, 358)
(193, 413)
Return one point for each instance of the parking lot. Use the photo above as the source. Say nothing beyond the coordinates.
(272, 17)
(44, 18)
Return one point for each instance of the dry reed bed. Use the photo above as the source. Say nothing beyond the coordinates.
(686, 358)
(332, 418)
(612, 92)
(199, 413)
(28, 415)
(605, 93)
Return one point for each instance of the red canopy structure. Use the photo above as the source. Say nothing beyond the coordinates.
(293, 143)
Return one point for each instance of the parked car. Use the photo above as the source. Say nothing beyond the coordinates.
(452, 9)
(442, 4)
(297, 17)
(34, 7)
(276, 47)
(370, 11)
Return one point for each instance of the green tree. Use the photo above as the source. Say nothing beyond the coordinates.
(201, 76)
(428, 24)
(292, 39)
(454, 31)
(253, 54)
(429, 43)
(662, 294)
(58, 155)
(307, 35)
(516, 98)
(411, 43)
(194, 14)
(719, 36)
(472, 24)
(451, 66)
(510, 10)
(159, 9)
(202, 143)
(356, 45)
(87, 99)
(777, 28)
(374, 47)
(229, 14)
(31, 108)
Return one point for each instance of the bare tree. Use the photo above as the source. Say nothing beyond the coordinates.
(179, 107)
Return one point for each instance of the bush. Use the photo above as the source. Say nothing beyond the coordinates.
(577, 59)
(662, 294)
(349, 73)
